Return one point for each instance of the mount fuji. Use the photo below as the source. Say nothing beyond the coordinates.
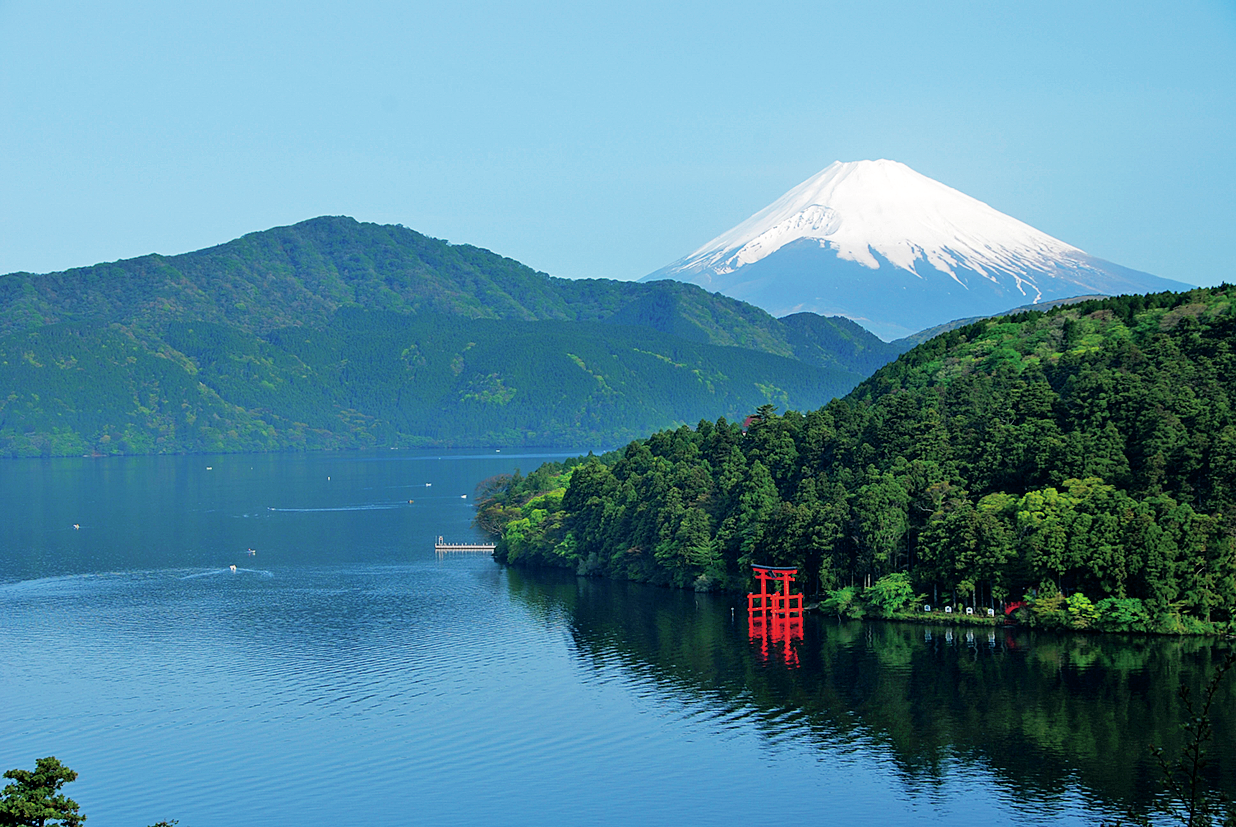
(897, 252)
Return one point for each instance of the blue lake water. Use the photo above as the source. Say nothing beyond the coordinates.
(346, 673)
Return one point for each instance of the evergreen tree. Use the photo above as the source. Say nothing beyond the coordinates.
(33, 798)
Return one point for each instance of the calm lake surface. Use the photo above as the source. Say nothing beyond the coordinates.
(347, 674)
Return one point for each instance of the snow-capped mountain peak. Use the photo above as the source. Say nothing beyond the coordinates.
(866, 207)
(883, 218)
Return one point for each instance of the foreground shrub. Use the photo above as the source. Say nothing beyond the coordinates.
(1123, 614)
(890, 594)
(843, 602)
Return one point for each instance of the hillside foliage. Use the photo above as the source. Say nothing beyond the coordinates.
(335, 334)
(1084, 458)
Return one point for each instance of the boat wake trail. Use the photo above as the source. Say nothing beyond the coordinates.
(365, 507)
(226, 571)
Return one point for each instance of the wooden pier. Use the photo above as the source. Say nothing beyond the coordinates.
(442, 546)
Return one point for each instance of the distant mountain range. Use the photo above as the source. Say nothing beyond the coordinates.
(337, 334)
(878, 243)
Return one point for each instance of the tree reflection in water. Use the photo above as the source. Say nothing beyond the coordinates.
(1042, 712)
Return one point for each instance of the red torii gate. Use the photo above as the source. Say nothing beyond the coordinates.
(774, 615)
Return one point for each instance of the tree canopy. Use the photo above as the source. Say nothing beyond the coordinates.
(33, 797)
(1087, 451)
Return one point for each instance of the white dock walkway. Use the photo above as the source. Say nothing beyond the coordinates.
(442, 546)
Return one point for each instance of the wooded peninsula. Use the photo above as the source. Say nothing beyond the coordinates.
(1082, 459)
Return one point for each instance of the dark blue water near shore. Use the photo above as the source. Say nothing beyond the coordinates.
(345, 673)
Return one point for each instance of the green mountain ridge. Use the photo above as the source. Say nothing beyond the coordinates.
(337, 334)
(1042, 307)
(302, 274)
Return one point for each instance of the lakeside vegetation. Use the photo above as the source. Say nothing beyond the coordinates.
(1082, 459)
(332, 334)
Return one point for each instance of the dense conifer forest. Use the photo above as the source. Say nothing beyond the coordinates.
(1083, 458)
(335, 334)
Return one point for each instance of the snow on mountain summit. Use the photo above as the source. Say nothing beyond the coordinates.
(884, 207)
(949, 254)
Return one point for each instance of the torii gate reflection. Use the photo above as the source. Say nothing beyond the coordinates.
(775, 617)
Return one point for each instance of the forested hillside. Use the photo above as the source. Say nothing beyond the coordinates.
(337, 334)
(1084, 457)
(304, 273)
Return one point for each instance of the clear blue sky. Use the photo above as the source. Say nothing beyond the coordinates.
(606, 141)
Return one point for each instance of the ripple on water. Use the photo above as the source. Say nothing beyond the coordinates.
(238, 695)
